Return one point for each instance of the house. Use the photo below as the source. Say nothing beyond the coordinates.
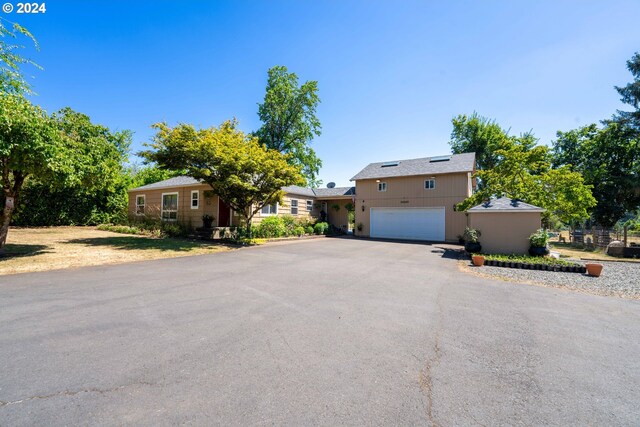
(405, 199)
(505, 224)
(414, 199)
(184, 199)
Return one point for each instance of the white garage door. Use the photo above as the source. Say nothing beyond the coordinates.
(408, 223)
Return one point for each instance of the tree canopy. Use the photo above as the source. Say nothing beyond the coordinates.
(515, 167)
(288, 114)
(609, 160)
(94, 188)
(630, 94)
(11, 78)
(29, 146)
(244, 173)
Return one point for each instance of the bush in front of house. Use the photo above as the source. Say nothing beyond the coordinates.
(298, 231)
(321, 228)
(308, 229)
(148, 227)
(270, 227)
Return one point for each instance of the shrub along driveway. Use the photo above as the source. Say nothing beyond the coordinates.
(328, 331)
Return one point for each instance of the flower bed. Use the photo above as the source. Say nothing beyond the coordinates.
(533, 263)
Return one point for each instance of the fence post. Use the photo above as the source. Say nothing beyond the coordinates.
(626, 227)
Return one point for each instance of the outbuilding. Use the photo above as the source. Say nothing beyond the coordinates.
(505, 224)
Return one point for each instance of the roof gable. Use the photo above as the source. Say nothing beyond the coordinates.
(454, 163)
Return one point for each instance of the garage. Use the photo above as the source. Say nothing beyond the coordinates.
(408, 223)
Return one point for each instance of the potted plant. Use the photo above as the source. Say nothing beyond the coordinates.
(594, 269)
(207, 220)
(538, 243)
(460, 239)
(471, 242)
(478, 260)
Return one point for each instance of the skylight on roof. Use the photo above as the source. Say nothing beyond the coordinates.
(390, 164)
(439, 159)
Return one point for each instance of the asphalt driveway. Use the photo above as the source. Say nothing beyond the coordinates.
(323, 332)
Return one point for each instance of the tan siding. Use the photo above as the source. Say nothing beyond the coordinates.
(186, 215)
(285, 208)
(410, 192)
(505, 232)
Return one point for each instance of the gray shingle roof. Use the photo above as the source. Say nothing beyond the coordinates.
(333, 192)
(178, 181)
(464, 162)
(301, 191)
(187, 181)
(505, 204)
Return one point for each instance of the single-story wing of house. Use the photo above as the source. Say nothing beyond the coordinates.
(186, 200)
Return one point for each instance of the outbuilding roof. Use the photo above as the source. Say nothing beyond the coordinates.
(453, 163)
(504, 204)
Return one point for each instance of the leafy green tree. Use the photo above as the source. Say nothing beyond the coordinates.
(288, 114)
(11, 78)
(483, 136)
(609, 160)
(525, 173)
(631, 95)
(95, 192)
(140, 176)
(244, 173)
(30, 146)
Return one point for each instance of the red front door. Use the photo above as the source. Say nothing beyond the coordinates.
(223, 214)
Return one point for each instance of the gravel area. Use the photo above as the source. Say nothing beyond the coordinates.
(617, 278)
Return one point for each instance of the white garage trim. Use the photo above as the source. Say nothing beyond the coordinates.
(408, 223)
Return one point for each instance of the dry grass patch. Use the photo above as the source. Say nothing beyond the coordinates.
(41, 249)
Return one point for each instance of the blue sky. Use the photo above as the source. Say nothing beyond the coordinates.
(391, 74)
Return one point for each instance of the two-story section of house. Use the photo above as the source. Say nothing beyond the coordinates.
(414, 199)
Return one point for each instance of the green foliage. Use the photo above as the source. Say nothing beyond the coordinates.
(523, 172)
(471, 235)
(308, 229)
(288, 114)
(239, 169)
(93, 188)
(321, 228)
(630, 95)
(609, 160)
(11, 79)
(147, 227)
(335, 207)
(483, 136)
(140, 176)
(298, 231)
(271, 227)
(539, 239)
(30, 147)
(533, 260)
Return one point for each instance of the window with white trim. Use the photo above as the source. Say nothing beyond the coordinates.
(140, 204)
(294, 207)
(309, 205)
(382, 186)
(270, 209)
(169, 207)
(195, 199)
(429, 184)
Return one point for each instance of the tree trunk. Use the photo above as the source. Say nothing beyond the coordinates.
(4, 226)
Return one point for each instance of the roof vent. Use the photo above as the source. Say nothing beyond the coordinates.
(331, 185)
(439, 159)
(389, 164)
